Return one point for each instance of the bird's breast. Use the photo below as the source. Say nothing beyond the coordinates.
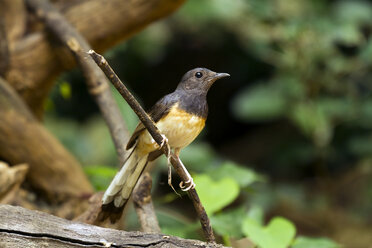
(179, 126)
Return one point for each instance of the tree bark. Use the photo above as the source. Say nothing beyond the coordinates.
(98, 85)
(53, 170)
(20, 227)
(36, 59)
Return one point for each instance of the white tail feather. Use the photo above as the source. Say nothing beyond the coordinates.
(124, 181)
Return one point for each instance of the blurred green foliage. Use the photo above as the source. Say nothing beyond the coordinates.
(303, 242)
(318, 58)
(278, 233)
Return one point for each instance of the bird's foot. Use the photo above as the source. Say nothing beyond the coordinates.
(189, 182)
(164, 141)
(162, 144)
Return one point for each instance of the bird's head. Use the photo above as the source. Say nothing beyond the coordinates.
(199, 79)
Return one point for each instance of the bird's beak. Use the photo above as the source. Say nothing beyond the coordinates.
(220, 75)
(215, 77)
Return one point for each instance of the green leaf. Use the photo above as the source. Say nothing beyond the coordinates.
(243, 176)
(260, 103)
(279, 233)
(216, 195)
(305, 242)
(282, 230)
(229, 222)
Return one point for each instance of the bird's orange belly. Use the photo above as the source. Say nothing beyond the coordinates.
(180, 128)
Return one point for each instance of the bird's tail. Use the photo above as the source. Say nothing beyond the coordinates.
(121, 187)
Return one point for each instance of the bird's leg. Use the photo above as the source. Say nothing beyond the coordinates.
(189, 181)
(170, 178)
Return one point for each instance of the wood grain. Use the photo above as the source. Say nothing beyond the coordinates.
(20, 227)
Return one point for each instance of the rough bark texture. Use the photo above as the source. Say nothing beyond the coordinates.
(94, 77)
(25, 228)
(53, 170)
(36, 59)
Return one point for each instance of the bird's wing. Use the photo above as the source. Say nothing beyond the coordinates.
(158, 111)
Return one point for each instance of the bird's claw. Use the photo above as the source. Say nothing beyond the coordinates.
(164, 141)
(190, 182)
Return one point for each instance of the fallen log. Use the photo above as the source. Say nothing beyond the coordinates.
(20, 227)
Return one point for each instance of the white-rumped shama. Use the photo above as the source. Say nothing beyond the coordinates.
(180, 117)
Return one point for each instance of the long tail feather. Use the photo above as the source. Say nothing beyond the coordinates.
(125, 180)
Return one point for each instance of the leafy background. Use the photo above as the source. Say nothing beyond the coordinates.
(285, 159)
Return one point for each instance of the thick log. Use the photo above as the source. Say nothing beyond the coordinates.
(20, 227)
(53, 170)
(37, 59)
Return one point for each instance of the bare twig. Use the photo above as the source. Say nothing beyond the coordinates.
(97, 83)
(155, 133)
(143, 205)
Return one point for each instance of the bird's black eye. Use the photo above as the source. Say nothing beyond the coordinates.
(198, 74)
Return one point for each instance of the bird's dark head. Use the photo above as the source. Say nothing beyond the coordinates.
(199, 79)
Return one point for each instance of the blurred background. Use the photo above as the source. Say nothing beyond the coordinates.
(289, 134)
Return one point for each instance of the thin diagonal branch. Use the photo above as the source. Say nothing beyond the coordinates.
(155, 133)
(95, 79)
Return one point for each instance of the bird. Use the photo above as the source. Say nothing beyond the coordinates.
(180, 116)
